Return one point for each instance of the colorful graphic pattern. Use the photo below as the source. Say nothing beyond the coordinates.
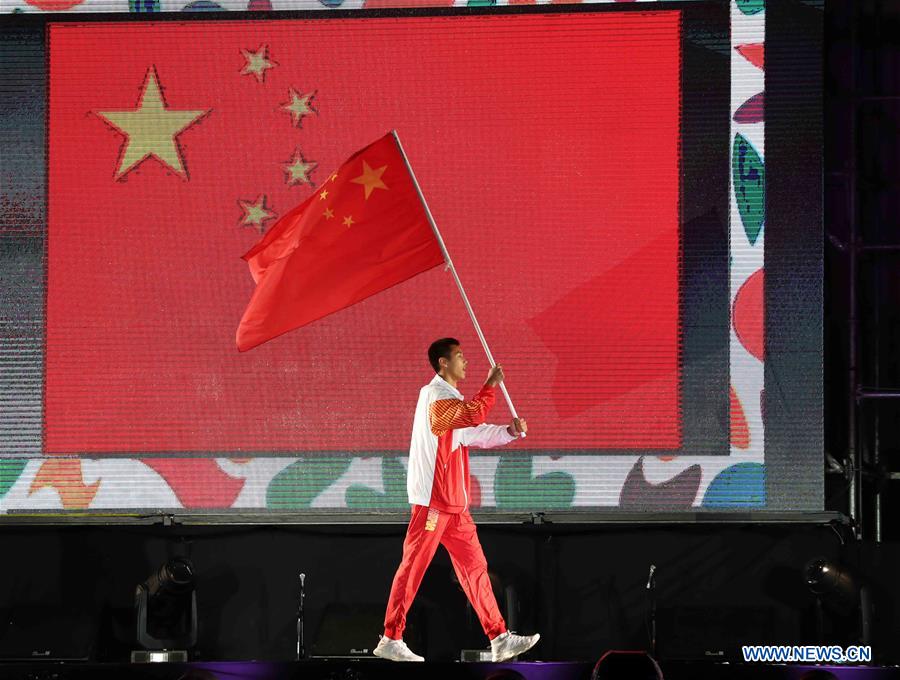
(504, 482)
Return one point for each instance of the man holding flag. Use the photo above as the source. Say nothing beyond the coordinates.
(437, 482)
(365, 229)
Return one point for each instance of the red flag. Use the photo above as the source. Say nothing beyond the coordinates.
(362, 231)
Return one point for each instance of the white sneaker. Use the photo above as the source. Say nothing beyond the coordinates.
(509, 645)
(395, 650)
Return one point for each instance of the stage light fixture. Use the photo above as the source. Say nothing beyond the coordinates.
(838, 590)
(166, 613)
(835, 586)
(626, 665)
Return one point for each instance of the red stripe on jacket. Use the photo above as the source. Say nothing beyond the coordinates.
(450, 490)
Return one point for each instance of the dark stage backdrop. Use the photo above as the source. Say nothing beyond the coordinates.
(599, 178)
(585, 591)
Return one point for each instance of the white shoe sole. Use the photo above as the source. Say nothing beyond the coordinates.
(513, 655)
(387, 657)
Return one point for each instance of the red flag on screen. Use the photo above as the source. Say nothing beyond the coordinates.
(362, 231)
(173, 146)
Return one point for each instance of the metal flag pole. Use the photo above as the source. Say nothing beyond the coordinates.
(462, 291)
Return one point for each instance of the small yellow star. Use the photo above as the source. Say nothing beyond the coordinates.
(299, 169)
(323, 194)
(334, 176)
(371, 179)
(255, 214)
(348, 220)
(328, 214)
(257, 63)
(299, 106)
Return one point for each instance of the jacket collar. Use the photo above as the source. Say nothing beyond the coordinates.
(443, 384)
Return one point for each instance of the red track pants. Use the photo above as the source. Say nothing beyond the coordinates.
(456, 532)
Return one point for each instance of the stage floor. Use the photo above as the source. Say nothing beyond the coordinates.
(375, 669)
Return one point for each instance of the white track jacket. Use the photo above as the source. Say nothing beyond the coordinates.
(444, 428)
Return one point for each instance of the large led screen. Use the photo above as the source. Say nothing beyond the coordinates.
(598, 179)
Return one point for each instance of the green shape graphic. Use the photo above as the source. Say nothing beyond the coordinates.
(296, 486)
(749, 177)
(393, 477)
(10, 470)
(515, 488)
(750, 7)
(481, 3)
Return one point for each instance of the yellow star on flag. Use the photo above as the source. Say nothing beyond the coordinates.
(151, 129)
(371, 179)
(328, 214)
(299, 106)
(348, 220)
(298, 169)
(334, 176)
(255, 214)
(323, 194)
(257, 63)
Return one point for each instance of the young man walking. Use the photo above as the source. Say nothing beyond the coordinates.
(445, 425)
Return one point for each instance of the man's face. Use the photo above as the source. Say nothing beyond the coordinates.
(456, 365)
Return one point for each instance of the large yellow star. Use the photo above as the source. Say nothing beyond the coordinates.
(255, 214)
(299, 106)
(257, 63)
(371, 179)
(298, 169)
(151, 129)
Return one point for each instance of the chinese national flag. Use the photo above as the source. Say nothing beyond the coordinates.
(547, 145)
(362, 231)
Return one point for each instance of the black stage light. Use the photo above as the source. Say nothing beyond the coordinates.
(165, 607)
(832, 584)
(837, 590)
(626, 665)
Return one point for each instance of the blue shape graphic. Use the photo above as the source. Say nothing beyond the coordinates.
(202, 6)
(739, 486)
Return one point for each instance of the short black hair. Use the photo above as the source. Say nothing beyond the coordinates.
(440, 348)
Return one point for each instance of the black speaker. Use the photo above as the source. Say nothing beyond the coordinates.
(353, 630)
(625, 665)
(47, 634)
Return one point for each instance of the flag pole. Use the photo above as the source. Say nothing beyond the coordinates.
(462, 291)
